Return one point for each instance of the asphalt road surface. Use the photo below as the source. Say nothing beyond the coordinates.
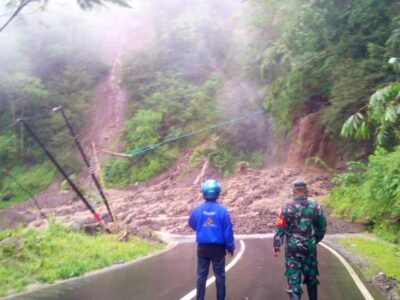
(171, 275)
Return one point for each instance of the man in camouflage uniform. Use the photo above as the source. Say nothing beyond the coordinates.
(303, 224)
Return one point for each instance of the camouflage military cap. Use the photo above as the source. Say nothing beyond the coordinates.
(299, 184)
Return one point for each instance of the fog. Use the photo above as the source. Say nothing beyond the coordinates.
(63, 22)
(103, 28)
(224, 44)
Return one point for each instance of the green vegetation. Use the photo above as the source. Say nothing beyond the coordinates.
(381, 116)
(175, 86)
(30, 256)
(55, 71)
(174, 107)
(370, 193)
(380, 256)
(34, 179)
(329, 56)
(224, 156)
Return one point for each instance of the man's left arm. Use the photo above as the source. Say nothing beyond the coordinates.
(320, 225)
(228, 233)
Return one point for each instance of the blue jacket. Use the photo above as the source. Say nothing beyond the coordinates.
(212, 224)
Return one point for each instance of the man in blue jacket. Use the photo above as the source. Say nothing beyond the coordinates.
(214, 237)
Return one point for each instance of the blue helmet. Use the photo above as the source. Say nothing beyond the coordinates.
(210, 190)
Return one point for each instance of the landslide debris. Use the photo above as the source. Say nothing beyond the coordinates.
(253, 199)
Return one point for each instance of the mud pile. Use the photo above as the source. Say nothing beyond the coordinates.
(253, 199)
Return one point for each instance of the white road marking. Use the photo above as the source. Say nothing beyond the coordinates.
(211, 280)
(364, 291)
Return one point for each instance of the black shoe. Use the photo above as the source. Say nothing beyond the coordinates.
(312, 291)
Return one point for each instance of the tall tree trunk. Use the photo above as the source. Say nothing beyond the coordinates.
(15, 128)
(22, 132)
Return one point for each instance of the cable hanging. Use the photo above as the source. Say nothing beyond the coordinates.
(144, 149)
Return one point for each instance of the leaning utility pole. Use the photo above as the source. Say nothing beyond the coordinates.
(60, 169)
(117, 222)
(85, 159)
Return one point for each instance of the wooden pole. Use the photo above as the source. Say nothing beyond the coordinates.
(85, 159)
(65, 175)
(102, 183)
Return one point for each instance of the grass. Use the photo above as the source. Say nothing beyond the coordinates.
(28, 256)
(380, 256)
(33, 179)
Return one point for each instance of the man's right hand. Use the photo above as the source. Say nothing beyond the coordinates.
(229, 253)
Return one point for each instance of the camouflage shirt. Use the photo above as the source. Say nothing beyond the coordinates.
(303, 223)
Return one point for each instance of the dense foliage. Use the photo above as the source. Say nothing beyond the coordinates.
(331, 57)
(176, 86)
(370, 193)
(328, 56)
(381, 117)
(53, 70)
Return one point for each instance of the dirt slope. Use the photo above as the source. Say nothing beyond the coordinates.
(107, 119)
(309, 139)
(108, 114)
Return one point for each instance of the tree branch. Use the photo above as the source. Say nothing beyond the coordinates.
(22, 4)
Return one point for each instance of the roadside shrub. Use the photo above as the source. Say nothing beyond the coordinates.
(370, 193)
(34, 179)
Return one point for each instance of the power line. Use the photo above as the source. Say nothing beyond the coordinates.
(134, 152)
(185, 135)
(144, 149)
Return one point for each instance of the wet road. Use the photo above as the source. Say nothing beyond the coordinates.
(171, 275)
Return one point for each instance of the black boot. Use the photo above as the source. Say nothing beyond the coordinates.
(312, 291)
(294, 296)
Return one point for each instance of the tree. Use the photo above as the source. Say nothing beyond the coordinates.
(327, 57)
(16, 6)
(22, 92)
(382, 114)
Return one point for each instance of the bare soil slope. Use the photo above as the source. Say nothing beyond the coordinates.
(108, 114)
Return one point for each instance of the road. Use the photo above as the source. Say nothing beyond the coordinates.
(171, 275)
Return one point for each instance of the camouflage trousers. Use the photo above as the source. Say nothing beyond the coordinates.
(297, 265)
